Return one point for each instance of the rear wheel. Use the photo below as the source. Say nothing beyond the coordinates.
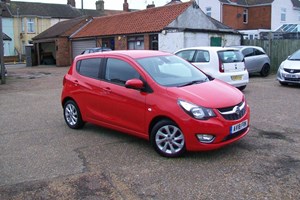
(167, 139)
(265, 70)
(72, 115)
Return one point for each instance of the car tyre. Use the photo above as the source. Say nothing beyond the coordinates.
(72, 115)
(241, 88)
(265, 70)
(167, 139)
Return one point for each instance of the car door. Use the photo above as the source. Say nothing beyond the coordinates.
(87, 83)
(250, 60)
(120, 106)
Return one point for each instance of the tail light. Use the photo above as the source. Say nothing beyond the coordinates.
(221, 66)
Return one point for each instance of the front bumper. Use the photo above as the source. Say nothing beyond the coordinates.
(219, 127)
(286, 77)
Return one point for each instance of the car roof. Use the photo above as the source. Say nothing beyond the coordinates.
(135, 54)
(208, 48)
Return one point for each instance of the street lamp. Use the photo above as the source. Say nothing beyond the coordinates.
(1, 46)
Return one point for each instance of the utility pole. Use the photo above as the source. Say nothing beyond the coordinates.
(1, 46)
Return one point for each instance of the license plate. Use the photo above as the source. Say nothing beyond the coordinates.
(237, 127)
(291, 76)
(237, 78)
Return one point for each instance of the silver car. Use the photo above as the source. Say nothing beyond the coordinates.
(289, 70)
(256, 59)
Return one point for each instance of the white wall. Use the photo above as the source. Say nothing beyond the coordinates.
(215, 8)
(171, 42)
(292, 15)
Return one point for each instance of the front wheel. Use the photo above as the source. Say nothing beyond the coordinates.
(167, 139)
(72, 115)
(241, 88)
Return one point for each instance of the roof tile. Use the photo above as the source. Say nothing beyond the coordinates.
(145, 21)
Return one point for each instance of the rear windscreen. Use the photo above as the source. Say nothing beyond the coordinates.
(230, 56)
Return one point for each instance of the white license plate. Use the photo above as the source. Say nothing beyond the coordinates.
(237, 78)
(291, 76)
(237, 127)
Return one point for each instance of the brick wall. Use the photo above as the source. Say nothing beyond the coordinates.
(63, 52)
(259, 17)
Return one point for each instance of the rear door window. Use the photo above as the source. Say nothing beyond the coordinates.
(187, 55)
(201, 56)
(89, 67)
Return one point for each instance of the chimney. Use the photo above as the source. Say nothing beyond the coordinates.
(151, 5)
(100, 5)
(125, 6)
(72, 3)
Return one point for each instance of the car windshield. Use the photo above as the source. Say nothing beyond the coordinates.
(172, 71)
(295, 56)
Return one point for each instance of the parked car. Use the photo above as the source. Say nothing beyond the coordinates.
(5, 72)
(256, 59)
(156, 96)
(96, 49)
(226, 64)
(289, 70)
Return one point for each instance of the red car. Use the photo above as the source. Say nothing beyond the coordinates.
(156, 96)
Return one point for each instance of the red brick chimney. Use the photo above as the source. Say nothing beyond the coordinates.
(125, 6)
(72, 3)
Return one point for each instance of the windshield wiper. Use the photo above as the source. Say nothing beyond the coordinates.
(194, 82)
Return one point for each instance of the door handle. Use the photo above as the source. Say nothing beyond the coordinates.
(76, 82)
(107, 90)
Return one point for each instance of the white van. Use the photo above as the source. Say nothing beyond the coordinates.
(224, 63)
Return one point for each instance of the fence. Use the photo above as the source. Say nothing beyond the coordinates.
(278, 50)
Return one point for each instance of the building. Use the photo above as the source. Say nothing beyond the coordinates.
(255, 16)
(22, 21)
(165, 28)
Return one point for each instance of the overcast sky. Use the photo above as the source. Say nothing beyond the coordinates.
(108, 4)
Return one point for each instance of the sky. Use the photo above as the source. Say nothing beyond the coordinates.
(108, 4)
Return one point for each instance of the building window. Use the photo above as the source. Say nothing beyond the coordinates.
(245, 16)
(283, 14)
(30, 25)
(208, 11)
(136, 43)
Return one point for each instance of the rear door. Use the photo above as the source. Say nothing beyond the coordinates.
(232, 61)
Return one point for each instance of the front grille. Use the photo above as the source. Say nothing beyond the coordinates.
(234, 112)
(293, 71)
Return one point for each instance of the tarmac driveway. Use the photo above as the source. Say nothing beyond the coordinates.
(41, 158)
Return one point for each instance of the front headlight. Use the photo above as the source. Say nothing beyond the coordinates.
(195, 111)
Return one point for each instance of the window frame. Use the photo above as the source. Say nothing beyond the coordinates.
(117, 80)
(283, 13)
(30, 25)
(79, 64)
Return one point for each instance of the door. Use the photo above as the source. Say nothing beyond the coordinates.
(120, 106)
(79, 46)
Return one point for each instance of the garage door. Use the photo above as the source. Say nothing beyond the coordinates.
(79, 46)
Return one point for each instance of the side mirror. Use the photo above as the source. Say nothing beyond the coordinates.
(134, 84)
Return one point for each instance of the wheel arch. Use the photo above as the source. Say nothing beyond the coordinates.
(157, 119)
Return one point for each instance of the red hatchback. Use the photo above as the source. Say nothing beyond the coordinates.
(156, 96)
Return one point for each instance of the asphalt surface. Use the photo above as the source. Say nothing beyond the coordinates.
(41, 158)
